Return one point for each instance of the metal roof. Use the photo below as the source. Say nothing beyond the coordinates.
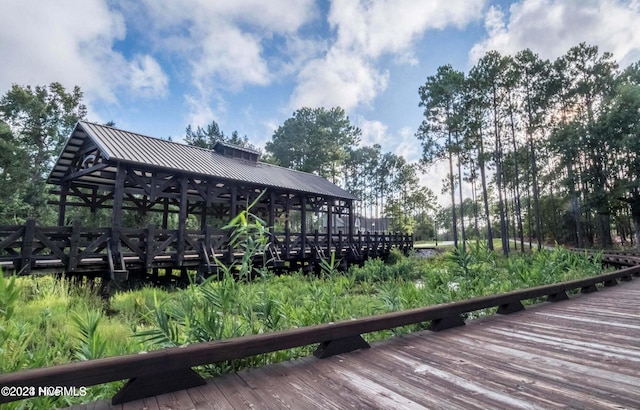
(123, 146)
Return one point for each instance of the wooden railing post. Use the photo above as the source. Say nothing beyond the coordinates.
(150, 248)
(74, 245)
(27, 246)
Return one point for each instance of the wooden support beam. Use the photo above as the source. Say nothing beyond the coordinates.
(287, 228)
(510, 307)
(150, 248)
(85, 171)
(340, 346)
(156, 384)
(272, 212)
(589, 288)
(233, 212)
(62, 206)
(329, 227)
(165, 213)
(446, 322)
(351, 221)
(557, 297)
(116, 216)
(74, 245)
(182, 220)
(303, 225)
(27, 246)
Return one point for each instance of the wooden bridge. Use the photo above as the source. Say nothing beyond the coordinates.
(79, 250)
(582, 352)
(162, 203)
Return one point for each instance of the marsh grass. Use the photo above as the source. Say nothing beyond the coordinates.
(46, 321)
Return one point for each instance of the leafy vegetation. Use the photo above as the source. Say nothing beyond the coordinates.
(46, 321)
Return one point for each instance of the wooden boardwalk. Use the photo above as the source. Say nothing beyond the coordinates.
(582, 353)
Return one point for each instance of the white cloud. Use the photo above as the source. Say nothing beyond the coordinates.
(349, 73)
(222, 43)
(43, 42)
(373, 132)
(394, 26)
(72, 43)
(147, 77)
(338, 79)
(551, 27)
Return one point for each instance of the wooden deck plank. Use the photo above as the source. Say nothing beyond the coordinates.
(581, 353)
(209, 397)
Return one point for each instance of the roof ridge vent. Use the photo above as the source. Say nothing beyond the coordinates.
(236, 151)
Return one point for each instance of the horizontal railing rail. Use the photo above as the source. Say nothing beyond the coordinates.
(169, 369)
(79, 249)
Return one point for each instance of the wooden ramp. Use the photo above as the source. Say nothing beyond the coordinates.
(581, 353)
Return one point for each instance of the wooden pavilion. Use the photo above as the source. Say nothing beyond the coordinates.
(167, 203)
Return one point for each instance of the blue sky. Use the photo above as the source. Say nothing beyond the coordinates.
(155, 66)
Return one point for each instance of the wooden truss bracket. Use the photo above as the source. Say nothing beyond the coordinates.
(589, 289)
(339, 346)
(511, 307)
(446, 323)
(156, 384)
(611, 282)
(557, 297)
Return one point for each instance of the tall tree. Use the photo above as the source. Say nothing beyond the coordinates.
(476, 105)
(37, 122)
(441, 97)
(536, 88)
(490, 72)
(208, 136)
(622, 124)
(315, 140)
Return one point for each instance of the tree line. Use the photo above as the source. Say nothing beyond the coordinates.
(36, 121)
(548, 149)
(536, 149)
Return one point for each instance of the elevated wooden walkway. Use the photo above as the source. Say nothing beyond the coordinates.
(78, 250)
(581, 353)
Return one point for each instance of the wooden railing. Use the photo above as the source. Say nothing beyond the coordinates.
(168, 370)
(78, 249)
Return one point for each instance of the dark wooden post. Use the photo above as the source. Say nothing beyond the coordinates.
(375, 243)
(368, 240)
(74, 245)
(287, 229)
(182, 220)
(150, 247)
(165, 214)
(272, 212)
(233, 212)
(116, 217)
(27, 246)
(62, 207)
(203, 212)
(351, 222)
(303, 225)
(329, 226)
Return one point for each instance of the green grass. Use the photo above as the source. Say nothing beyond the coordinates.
(44, 321)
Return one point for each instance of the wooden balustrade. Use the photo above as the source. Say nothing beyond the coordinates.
(81, 250)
